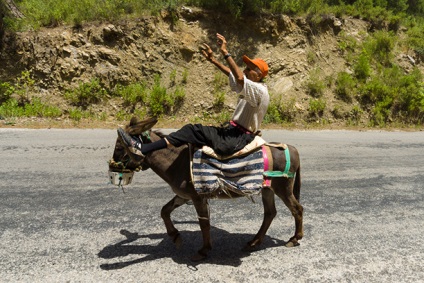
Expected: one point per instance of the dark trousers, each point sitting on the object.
(224, 140)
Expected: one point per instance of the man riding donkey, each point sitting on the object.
(283, 171)
(233, 136)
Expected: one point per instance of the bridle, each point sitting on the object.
(119, 175)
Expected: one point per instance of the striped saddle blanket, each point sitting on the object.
(242, 174)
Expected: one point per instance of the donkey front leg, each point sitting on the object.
(166, 216)
(268, 201)
(202, 209)
(285, 192)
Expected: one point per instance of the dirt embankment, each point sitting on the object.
(134, 50)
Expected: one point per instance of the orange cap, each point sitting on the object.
(261, 64)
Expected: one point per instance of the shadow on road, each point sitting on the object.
(227, 248)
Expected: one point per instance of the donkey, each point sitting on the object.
(173, 166)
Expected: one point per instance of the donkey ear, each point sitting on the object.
(134, 121)
(137, 127)
(149, 123)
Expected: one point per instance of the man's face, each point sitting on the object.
(252, 72)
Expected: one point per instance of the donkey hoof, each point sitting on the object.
(248, 249)
(251, 246)
(198, 257)
(178, 241)
(292, 243)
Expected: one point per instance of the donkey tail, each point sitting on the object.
(297, 184)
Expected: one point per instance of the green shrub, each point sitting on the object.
(123, 115)
(185, 76)
(39, 109)
(362, 67)
(416, 107)
(102, 116)
(279, 111)
(382, 111)
(219, 99)
(140, 112)
(395, 22)
(394, 95)
(338, 112)
(178, 96)
(6, 91)
(398, 5)
(381, 96)
(355, 115)
(288, 110)
(410, 102)
(11, 108)
(173, 77)
(273, 114)
(75, 114)
(223, 116)
(315, 85)
(377, 16)
(24, 85)
(132, 94)
(159, 101)
(52, 13)
(345, 86)
(374, 90)
(311, 57)
(36, 108)
(219, 81)
(40, 13)
(380, 46)
(289, 6)
(415, 39)
(86, 94)
(347, 43)
(384, 44)
(416, 7)
(363, 5)
(235, 8)
(78, 113)
(317, 107)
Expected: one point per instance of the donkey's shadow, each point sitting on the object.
(226, 251)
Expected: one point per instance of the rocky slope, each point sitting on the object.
(134, 50)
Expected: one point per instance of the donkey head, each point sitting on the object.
(121, 166)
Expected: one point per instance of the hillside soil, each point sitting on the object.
(134, 50)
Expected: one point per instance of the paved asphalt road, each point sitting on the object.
(62, 222)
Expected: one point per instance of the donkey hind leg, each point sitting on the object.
(166, 216)
(202, 209)
(268, 201)
(283, 188)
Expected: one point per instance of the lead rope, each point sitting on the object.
(119, 184)
(121, 175)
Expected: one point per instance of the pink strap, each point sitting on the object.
(267, 181)
(240, 127)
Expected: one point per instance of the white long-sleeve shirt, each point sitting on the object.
(252, 103)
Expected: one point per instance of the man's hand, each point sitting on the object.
(222, 43)
(207, 52)
(209, 55)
